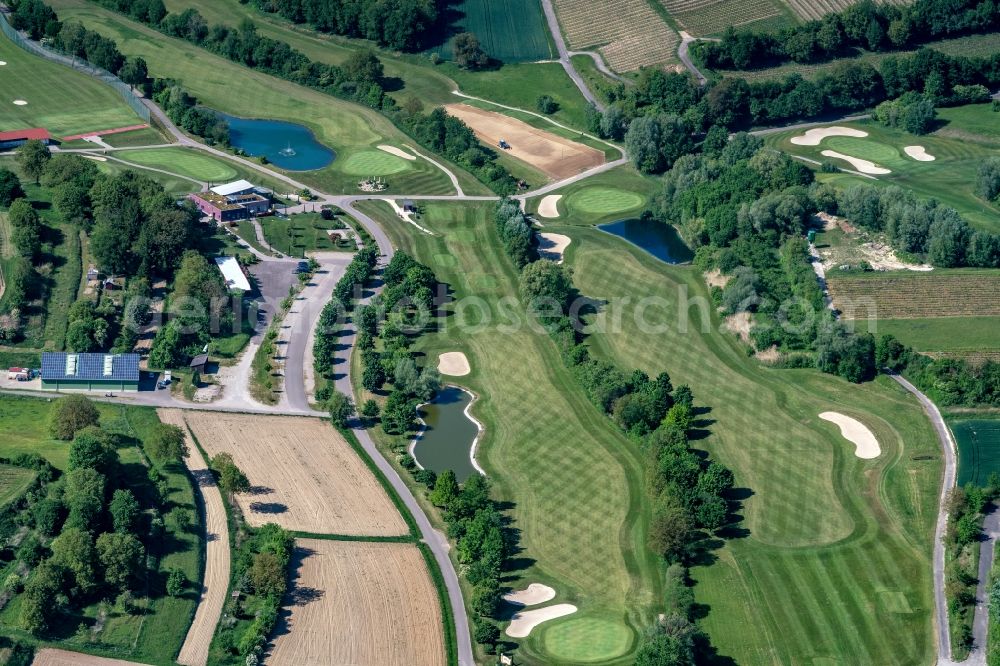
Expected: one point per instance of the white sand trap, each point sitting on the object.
(96, 158)
(20, 102)
(853, 430)
(2, 63)
(523, 622)
(552, 246)
(548, 207)
(398, 152)
(454, 364)
(919, 153)
(536, 593)
(814, 136)
(864, 166)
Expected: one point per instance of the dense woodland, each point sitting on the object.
(865, 25)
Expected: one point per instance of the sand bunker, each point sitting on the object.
(919, 153)
(20, 102)
(864, 166)
(552, 246)
(96, 158)
(454, 364)
(536, 593)
(853, 430)
(393, 150)
(523, 622)
(814, 136)
(2, 63)
(547, 206)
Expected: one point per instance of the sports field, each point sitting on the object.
(958, 148)
(186, 162)
(831, 562)
(508, 30)
(347, 128)
(629, 33)
(59, 98)
(572, 477)
(978, 449)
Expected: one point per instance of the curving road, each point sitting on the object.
(550, 17)
(948, 450)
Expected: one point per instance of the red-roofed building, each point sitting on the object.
(15, 138)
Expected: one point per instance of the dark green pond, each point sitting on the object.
(287, 145)
(448, 435)
(659, 239)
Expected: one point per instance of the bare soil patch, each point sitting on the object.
(355, 602)
(304, 475)
(552, 154)
(54, 657)
(715, 278)
(194, 652)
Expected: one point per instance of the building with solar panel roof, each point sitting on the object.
(64, 371)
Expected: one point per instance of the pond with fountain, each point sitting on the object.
(286, 145)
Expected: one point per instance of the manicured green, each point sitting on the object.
(374, 163)
(59, 98)
(624, 182)
(959, 147)
(587, 640)
(572, 477)
(508, 30)
(978, 449)
(183, 161)
(604, 200)
(13, 482)
(825, 536)
(344, 126)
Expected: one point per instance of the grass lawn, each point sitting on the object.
(184, 161)
(978, 449)
(958, 150)
(59, 98)
(598, 82)
(140, 137)
(13, 482)
(831, 563)
(154, 635)
(953, 336)
(301, 233)
(612, 195)
(508, 30)
(572, 477)
(344, 126)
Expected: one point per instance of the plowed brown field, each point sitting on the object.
(358, 602)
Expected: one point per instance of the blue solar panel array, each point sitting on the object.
(124, 367)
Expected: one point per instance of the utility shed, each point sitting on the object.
(63, 371)
(232, 273)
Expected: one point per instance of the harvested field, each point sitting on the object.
(54, 657)
(304, 476)
(356, 602)
(554, 155)
(629, 33)
(707, 17)
(916, 295)
(194, 651)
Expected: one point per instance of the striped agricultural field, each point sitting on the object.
(816, 9)
(707, 17)
(629, 33)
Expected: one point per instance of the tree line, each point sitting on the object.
(688, 491)
(360, 79)
(864, 25)
(671, 107)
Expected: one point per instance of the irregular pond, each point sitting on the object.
(449, 436)
(287, 145)
(659, 239)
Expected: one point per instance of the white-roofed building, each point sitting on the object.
(235, 187)
(232, 273)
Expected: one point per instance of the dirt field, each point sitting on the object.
(194, 652)
(305, 477)
(555, 156)
(53, 657)
(356, 602)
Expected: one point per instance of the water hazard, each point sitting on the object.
(449, 434)
(287, 145)
(659, 239)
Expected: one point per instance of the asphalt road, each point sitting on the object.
(550, 17)
(948, 450)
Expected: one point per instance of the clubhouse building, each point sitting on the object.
(239, 200)
(63, 371)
